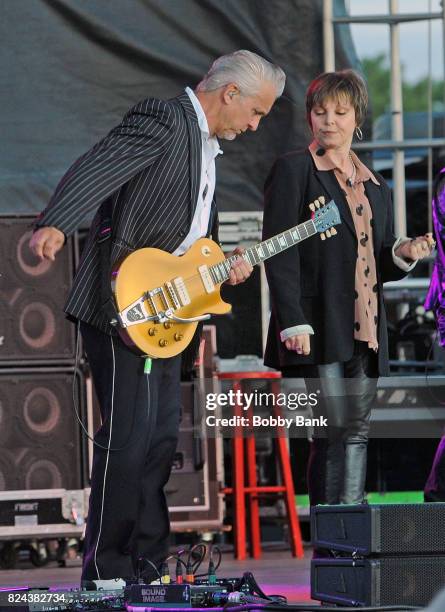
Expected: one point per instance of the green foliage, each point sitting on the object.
(415, 95)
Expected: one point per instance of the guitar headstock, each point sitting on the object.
(325, 216)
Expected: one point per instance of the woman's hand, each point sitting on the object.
(300, 343)
(416, 248)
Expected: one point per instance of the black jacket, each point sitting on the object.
(314, 282)
(150, 167)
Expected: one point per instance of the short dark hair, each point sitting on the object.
(334, 85)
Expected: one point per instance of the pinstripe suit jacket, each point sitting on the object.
(150, 166)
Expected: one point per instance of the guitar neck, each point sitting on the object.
(263, 250)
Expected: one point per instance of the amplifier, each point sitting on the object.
(33, 327)
(383, 529)
(387, 581)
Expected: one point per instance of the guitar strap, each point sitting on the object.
(104, 244)
(213, 223)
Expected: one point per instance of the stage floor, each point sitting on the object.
(277, 573)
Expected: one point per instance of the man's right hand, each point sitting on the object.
(46, 242)
(299, 343)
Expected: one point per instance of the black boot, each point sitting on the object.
(335, 460)
(354, 473)
(316, 471)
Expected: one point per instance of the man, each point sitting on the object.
(153, 176)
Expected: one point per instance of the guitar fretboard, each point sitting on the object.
(263, 250)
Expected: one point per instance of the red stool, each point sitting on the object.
(239, 490)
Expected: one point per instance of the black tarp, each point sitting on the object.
(69, 69)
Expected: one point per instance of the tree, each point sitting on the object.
(415, 95)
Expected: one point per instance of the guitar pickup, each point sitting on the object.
(209, 285)
(181, 291)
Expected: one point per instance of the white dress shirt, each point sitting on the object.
(210, 149)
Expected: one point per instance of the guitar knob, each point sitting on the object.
(152, 331)
(333, 231)
(322, 236)
(168, 324)
(163, 342)
(178, 337)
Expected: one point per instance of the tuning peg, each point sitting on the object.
(312, 206)
(322, 200)
(322, 236)
(333, 231)
(328, 233)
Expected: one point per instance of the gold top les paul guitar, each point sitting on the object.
(162, 297)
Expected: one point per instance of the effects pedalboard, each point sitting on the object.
(133, 597)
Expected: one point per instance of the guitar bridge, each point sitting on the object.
(134, 313)
(137, 313)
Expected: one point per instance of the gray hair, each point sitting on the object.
(248, 70)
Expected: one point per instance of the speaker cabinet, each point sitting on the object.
(377, 529)
(393, 554)
(386, 581)
(40, 445)
(32, 295)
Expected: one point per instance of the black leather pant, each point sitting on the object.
(337, 462)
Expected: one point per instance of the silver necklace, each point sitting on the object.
(351, 180)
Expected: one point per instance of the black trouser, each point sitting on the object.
(128, 514)
(337, 462)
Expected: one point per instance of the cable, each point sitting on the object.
(178, 559)
(197, 563)
(254, 587)
(217, 548)
(76, 408)
(141, 572)
(317, 608)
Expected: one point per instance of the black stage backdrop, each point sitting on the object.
(69, 70)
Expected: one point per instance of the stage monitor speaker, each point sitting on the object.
(40, 446)
(32, 295)
(386, 581)
(378, 529)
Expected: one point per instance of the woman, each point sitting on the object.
(328, 318)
